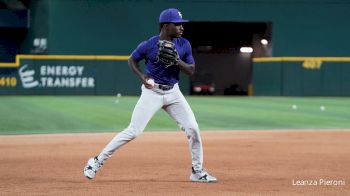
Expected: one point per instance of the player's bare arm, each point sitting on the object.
(135, 67)
(186, 68)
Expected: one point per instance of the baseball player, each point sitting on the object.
(165, 56)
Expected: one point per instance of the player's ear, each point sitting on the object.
(167, 25)
(162, 26)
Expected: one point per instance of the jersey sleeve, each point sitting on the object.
(188, 58)
(140, 52)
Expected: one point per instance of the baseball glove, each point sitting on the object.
(167, 53)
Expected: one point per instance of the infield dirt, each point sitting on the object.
(278, 162)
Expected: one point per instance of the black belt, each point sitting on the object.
(165, 87)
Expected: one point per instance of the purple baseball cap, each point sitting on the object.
(171, 15)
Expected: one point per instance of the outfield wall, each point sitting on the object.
(301, 76)
(71, 75)
(110, 75)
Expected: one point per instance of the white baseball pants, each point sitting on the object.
(175, 104)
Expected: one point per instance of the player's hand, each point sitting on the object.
(167, 53)
(148, 82)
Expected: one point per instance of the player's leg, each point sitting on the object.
(179, 109)
(181, 112)
(148, 104)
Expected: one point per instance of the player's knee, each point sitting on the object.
(132, 132)
(190, 124)
(193, 127)
(192, 131)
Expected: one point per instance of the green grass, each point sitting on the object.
(66, 114)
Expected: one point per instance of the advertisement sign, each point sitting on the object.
(55, 76)
(65, 75)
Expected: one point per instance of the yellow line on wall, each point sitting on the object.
(122, 58)
(63, 57)
(295, 59)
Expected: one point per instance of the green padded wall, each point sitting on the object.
(292, 79)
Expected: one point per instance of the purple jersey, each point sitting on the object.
(148, 50)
